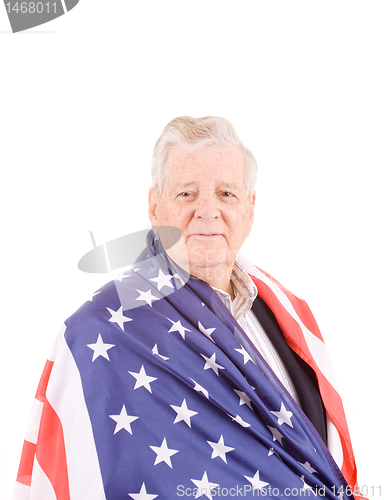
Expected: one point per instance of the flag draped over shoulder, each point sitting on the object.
(148, 394)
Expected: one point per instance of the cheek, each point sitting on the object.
(237, 221)
(175, 215)
(240, 224)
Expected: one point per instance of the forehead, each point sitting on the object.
(220, 164)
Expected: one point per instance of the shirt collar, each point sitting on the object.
(244, 289)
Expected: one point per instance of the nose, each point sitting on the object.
(207, 206)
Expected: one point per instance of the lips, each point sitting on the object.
(205, 235)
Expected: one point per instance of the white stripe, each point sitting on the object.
(21, 492)
(57, 343)
(41, 487)
(315, 345)
(65, 394)
(34, 422)
(334, 443)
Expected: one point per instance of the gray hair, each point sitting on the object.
(196, 134)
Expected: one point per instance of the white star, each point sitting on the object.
(177, 327)
(307, 465)
(183, 413)
(123, 421)
(93, 295)
(272, 452)
(142, 495)
(147, 297)
(283, 416)
(240, 421)
(206, 331)
(142, 379)
(162, 280)
(244, 399)
(123, 276)
(257, 484)
(246, 356)
(211, 363)
(118, 317)
(277, 436)
(219, 449)
(305, 485)
(156, 351)
(163, 453)
(100, 349)
(200, 388)
(177, 276)
(204, 487)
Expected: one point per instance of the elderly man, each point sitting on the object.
(195, 373)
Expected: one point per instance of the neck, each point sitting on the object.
(226, 288)
(223, 283)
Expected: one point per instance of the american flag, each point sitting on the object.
(148, 394)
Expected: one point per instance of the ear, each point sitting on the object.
(252, 210)
(253, 198)
(153, 200)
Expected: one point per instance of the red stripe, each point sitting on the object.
(295, 338)
(300, 306)
(50, 448)
(24, 474)
(290, 327)
(41, 390)
(50, 452)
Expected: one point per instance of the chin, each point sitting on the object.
(214, 252)
(208, 261)
(205, 264)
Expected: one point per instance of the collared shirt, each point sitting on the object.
(245, 293)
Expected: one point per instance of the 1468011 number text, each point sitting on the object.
(31, 8)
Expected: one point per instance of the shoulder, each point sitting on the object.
(103, 308)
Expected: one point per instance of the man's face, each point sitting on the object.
(204, 195)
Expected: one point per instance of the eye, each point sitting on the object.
(185, 196)
(227, 194)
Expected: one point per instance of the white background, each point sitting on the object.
(83, 100)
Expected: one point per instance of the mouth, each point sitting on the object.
(206, 235)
